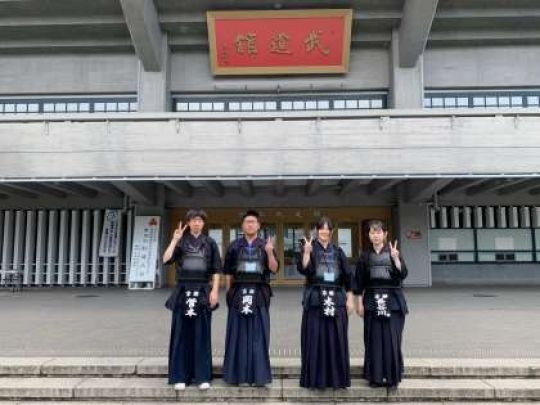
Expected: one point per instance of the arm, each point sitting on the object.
(360, 283)
(272, 262)
(347, 280)
(229, 266)
(171, 249)
(215, 268)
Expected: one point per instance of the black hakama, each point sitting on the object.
(190, 349)
(324, 339)
(383, 335)
(247, 341)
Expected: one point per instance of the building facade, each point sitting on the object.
(433, 128)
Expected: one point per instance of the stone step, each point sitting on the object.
(139, 389)
(282, 367)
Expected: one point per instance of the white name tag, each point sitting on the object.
(331, 277)
(251, 267)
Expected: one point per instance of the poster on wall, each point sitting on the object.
(279, 41)
(108, 245)
(144, 259)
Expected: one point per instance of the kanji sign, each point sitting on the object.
(279, 41)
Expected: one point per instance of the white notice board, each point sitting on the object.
(142, 273)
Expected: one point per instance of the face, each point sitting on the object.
(250, 225)
(324, 233)
(376, 235)
(196, 225)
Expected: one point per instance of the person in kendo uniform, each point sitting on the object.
(380, 272)
(198, 264)
(248, 264)
(327, 302)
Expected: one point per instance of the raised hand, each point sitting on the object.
(394, 252)
(179, 232)
(269, 247)
(308, 245)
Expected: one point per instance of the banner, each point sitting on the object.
(108, 246)
(279, 41)
(145, 249)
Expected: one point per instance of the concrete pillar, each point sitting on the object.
(413, 231)
(407, 83)
(154, 88)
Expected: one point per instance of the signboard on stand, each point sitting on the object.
(144, 259)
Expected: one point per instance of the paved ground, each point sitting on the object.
(444, 322)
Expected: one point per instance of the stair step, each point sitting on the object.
(137, 389)
(281, 367)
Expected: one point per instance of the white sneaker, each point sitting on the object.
(204, 386)
(180, 386)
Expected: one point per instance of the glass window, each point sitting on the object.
(219, 106)
(437, 102)
(491, 101)
(217, 235)
(286, 105)
(292, 235)
(427, 102)
(533, 100)
(377, 103)
(270, 105)
(194, 106)
(298, 105)
(123, 107)
(9, 108)
(479, 101)
(463, 102)
(351, 104)
(48, 107)
(345, 240)
(72, 107)
(450, 102)
(234, 106)
(311, 105)
(33, 107)
(323, 104)
(84, 107)
(338, 104)
(504, 101)
(206, 106)
(133, 106)
(111, 107)
(247, 106)
(60, 107)
(363, 103)
(258, 105)
(1, 108)
(99, 107)
(517, 101)
(22, 108)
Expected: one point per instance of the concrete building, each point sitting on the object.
(434, 128)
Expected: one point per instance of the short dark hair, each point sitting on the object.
(194, 213)
(251, 213)
(377, 224)
(324, 220)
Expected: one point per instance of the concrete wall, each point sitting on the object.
(486, 274)
(477, 67)
(369, 69)
(150, 145)
(68, 74)
(414, 218)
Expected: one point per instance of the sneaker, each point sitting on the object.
(180, 386)
(204, 386)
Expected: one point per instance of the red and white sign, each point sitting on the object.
(279, 42)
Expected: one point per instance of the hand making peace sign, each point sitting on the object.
(394, 252)
(179, 232)
(308, 245)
